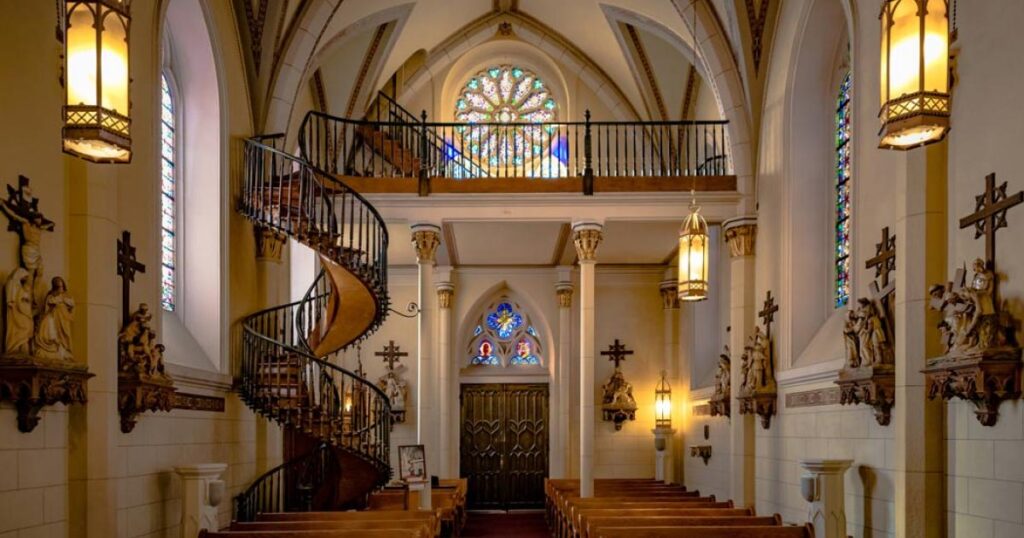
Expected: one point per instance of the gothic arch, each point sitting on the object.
(544, 335)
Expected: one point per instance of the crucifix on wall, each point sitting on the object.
(617, 402)
(127, 266)
(767, 313)
(990, 215)
(396, 389)
(391, 354)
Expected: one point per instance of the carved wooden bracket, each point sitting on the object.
(984, 379)
(761, 403)
(701, 451)
(720, 405)
(871, 385)
(618, 416)
(32, 383)
(140, 393)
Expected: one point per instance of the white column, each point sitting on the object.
(822, 486)
(201, 493)
(560, 455)
(273, 277)
(445, 295)
(587, 236)
(740, 234)
(669, 290)
(663, 454)
(426, 238)
(918, 422)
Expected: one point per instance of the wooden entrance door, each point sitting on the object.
(504, 448)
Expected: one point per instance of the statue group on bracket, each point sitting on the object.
(970, 322)
(867, 340)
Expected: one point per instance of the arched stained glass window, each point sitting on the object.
(168, 195)
(508, 94)
(504, 336)
(842, 221)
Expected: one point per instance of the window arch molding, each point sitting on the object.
(467, 338)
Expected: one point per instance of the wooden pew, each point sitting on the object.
(423, 528)
(592, 526)
(448, 503)
(337, 533)
(706, 532)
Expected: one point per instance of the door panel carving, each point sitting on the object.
(504, 449)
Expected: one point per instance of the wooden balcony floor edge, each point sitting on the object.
(514, 185)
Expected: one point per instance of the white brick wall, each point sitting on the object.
(33, 475)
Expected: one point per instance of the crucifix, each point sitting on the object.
(990, 215)
(767, 314)
(884, 261)
(617, 352)
(127, 266)
(391, 354)
(22, 210)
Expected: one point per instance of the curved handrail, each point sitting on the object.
(305, 473)
(281, 376)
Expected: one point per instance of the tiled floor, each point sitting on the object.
(512, 525)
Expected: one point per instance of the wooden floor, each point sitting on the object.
(515, 524)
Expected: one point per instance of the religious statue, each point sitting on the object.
(853, 359)
(745, 385)
(22, 210)
(875, 348)
(18, 298)
(394, 387)
(617, 402)
(719, 402)
(53, 335)
(760, 361)
(970, 322)
(139, 352)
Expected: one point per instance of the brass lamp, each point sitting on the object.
(663, 403)
(96, 80)
(914, 73)
(693, 256)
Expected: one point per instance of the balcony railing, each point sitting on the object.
(394, 144)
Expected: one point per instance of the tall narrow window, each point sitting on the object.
(843, 147)
(168, 188)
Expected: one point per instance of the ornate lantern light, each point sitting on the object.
(96, 80)
(693, 256)
(663, 403)
(914, 73)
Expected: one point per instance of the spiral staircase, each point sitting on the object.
(286, 369)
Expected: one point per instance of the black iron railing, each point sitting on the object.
(281, 375)
(393, 143)
(293, 486)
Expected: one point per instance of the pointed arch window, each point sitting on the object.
(843, 192)
(505, 336)
(168, 194)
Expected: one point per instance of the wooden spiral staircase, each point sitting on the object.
(286, 368)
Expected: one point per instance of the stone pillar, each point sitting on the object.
(426, 238)
(273, 283)
(918, 422)
(587, 236)
(740, 233)
(445, 295)
(822, 486)
(669, 290)
(560, 455)
(201, 493)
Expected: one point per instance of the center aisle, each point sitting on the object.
(518, 525)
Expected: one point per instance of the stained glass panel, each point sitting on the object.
(485, 355)
(524, 354)
(504, 320)
(505, 336)
(515, 96)
(842, 212)
(168, 192)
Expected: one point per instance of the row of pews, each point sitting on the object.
(643, 508)
(392, 513)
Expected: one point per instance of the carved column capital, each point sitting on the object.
(564, 291)
(669, 294)
(269, 244)
(587, 236)
(445, 294)
(741, 234)
(426, 238)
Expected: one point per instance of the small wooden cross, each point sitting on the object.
(127, 266)
(990, 215)
(391, 354)
(884, 261)
(23, 209)
(617, 352)
(767, 314)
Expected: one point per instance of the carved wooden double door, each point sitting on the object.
(504, 448)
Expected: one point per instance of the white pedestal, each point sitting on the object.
(663, 454)
(822, 486)
(425, 494)
(201, 491)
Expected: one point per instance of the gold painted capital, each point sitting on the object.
(669, 294)
(445, 294)
(741, 240)
(587, 237)
(564, 296)
(269, 244)
(426, 239)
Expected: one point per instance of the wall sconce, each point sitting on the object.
(663, 403)
(914, 73)
(96, 80)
